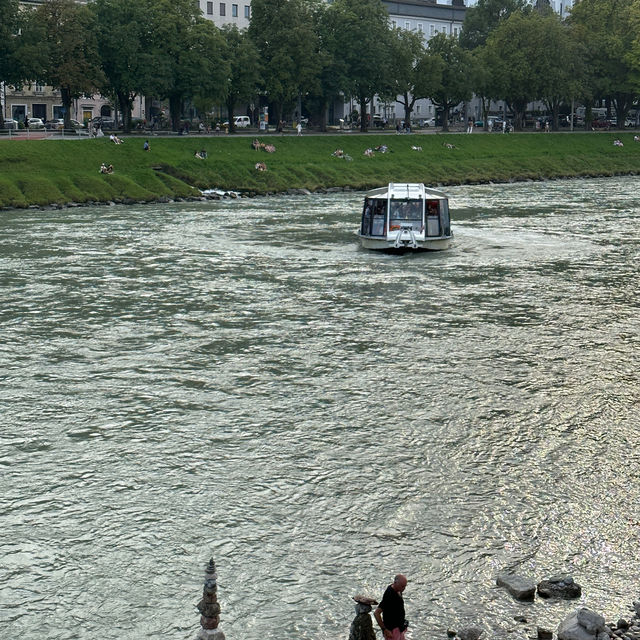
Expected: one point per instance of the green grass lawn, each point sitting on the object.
(41, 172)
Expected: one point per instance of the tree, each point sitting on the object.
(560, 82)
(11, 69)
(415, 72)
(455, 86)
(282, 31)
(68, 42)
(481, 19)
(512, 52)
(189, 53)
(244, 68)
(605, 27)
(124, 47)
(362, 37)
(332, 71)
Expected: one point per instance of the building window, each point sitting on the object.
(455, 31)
(234, 10)
(247, 11)
(432, 29)
(209, 8)
(223, 9)
(394, 24)
(39, 88)
(420, 27)
(407, 25)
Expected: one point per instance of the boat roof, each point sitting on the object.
(405, 191)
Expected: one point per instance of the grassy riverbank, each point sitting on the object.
(42, 172)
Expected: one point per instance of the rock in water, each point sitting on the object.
(520, 588)
(559, 587)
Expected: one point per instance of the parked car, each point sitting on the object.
(601, 123)
(35, 123)
(10, 123)
(105, 123)
(239, 122)
(57, 124)
(428, 122)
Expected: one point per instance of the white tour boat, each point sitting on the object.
(405, 216)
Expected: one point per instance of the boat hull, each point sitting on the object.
(384, 244)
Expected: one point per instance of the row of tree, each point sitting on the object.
(313, 52)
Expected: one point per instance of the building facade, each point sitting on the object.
(222, 12)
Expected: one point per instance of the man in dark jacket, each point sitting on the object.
(390, 612)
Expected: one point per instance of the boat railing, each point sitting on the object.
(413, 243)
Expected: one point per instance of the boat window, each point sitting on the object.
(433, 218)
(367, 215)
(378, 217)
(405, 214)
(444, 217)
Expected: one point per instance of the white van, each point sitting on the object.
(242, 121)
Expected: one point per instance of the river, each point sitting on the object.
(239, 380)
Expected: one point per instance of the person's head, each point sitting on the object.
(399, 583)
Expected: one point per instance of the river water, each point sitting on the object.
(238, 379)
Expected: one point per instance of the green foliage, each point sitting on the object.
(605, 27)
(282, 31)
(481, 19)
(70, 57)
(124, 48)
(244, 68)
(189, 52)
(414, 72)
(456, 84)
(361, 36)
(517, 54)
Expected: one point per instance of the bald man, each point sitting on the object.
(390, 612)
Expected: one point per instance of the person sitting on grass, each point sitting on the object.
(618, 143)
(146, 146)
(103, 168)
(369, 153)
(414, 148)
(201, 155)
(261, 166)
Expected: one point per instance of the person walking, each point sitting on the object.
(390, 612)
(470, 126)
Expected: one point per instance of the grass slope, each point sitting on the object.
(41, 172)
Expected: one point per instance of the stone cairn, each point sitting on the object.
(362, 627)
(208, 606)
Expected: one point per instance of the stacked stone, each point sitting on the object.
(208, 606)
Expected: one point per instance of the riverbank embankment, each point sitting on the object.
(61, 172)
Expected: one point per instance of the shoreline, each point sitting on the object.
(60, 173)
(239, 194)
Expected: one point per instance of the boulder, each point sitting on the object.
(520, 588)
(559, 587)
(592, 622)
(470, 633)
(582, 624)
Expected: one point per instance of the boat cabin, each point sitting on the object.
(405, 216)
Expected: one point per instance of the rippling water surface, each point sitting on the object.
(239, 380)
